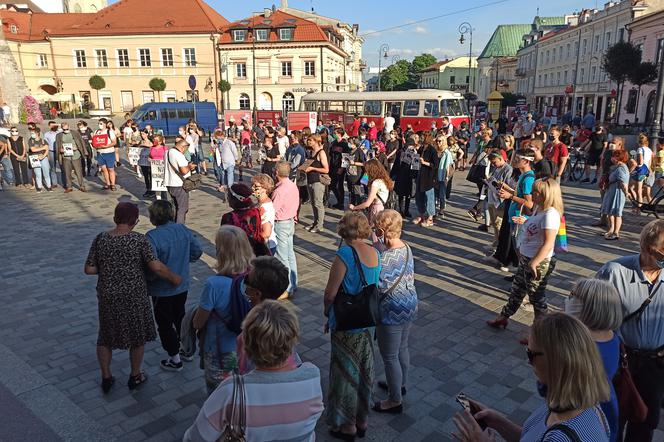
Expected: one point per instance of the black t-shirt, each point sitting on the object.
(542, 169)
(427, 174)
(566, 138)
(597, 141)
(502, 125)
(336, 149)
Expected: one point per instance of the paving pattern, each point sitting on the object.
(49, 376)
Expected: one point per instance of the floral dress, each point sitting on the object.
(125, 312)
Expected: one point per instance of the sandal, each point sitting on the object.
(105, 188)
(113, 188)
(136, 381)
(106, 384)
(417, 220)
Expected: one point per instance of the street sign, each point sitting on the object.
(192, 82)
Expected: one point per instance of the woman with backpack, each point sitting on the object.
(217, 313)
(246, 215)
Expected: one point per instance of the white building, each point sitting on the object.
(569, 75)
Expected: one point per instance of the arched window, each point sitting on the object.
(265, 101)
(245, 103)
(288, 102)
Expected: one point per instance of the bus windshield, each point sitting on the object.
(453, 107)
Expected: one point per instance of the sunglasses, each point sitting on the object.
(532, 355)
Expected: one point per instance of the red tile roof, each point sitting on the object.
(305, 30)
(126, 17)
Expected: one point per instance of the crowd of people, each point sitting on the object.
(244, 326)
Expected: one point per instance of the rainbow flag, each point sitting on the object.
(560, 245)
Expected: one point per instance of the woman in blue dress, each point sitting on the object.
(613, 202)
(352, 353)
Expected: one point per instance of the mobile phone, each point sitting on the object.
(463, 400)
(497, 184)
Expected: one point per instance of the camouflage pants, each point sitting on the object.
(526, 284)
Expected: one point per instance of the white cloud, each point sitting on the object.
(420, 30)
(440, 53)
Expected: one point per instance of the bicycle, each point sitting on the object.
(656, 204)
(576, 165)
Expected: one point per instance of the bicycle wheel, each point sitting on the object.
(658, 206)
(579, 168)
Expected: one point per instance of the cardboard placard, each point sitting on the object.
(157, 170)
(68, 150)
(133, 155)
(100, 141)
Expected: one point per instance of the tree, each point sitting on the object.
(395, 77)
(96, 82)
(157, 84)
(620, 61)
(645, 73)
(419, 63)
(224, 86)
(510, 99)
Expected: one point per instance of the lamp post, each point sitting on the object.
(223, 66)
(659, 104)
(382, 53)
(467, 28)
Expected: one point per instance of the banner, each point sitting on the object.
(157, 170)
(133, 155)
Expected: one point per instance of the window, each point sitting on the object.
(585, 47)
(431, 108)
(539, 80)
(310, 68)
(660, 50)
(190, 57)
(411, 108)
(241, 70)
(167, 57)
(185, 114)
(144, 58)
(244, 102)
(557, 78)
(565, 77)
(596, 43)
(631, 101)
(81, 61)
(288, 102)
(467, 79)
(262, 34)
(569, 50)
(576, 48)
(593, 73)
(239, 35)
(546, 79)
(607, 40)
(286, 68)
(583, 76)
(42, 61)
(452, 79)
(548, 57)
(372, 107)
(13, 29)
(453, 108)
(123, 58)
(102, 59)
(286, 34)
(354, 107)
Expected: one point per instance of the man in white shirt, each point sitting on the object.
(176, 170)
(6, 113)
(282, 142)
(388, 123)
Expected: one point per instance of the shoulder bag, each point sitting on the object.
(236, 428)
(192, 182)
(631, 407)
(567, 431)
(361, 310)
(324, 178)
(477, 172)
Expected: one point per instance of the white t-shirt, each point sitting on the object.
(268, 215)
(127, 133)
(382, 192)
(111, 137)
(283, 144)
(192, 139)
(176, 160)
(531, 237)
(647, 155)
(389, 124)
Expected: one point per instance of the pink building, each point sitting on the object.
(648, 33)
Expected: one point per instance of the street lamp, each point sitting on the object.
(382, 53)
(223, 65)
(466, 28)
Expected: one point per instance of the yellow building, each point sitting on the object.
(133, 41)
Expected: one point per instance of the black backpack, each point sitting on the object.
(392, 201)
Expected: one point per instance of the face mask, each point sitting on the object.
(573, 306)
(102, 127)
(363, 137)
(181, 132)
(33, 136)
(65, 131)
(81, 129)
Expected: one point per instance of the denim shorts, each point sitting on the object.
(106, 160)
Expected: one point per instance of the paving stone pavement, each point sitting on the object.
(49, 324)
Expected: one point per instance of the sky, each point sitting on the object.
(412, 27)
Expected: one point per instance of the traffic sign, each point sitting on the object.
(192, 82)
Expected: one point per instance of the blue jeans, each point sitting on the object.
(7, 171)
(43, 172)
(284, 231)
(426, 202)
(442, 194)
(225, 175)
(53, 162)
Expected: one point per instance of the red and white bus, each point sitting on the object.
(417, 107)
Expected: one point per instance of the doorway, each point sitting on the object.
(393, 108)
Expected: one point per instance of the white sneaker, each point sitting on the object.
(504, 269)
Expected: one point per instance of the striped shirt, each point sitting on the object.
(590, 426)
(280, 406)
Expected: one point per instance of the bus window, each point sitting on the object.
(372, 107)
(310, 106)
(431, 108)
(167, 113)
(411, 108)
(453, 107)
(354, 107)
(336, 106)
